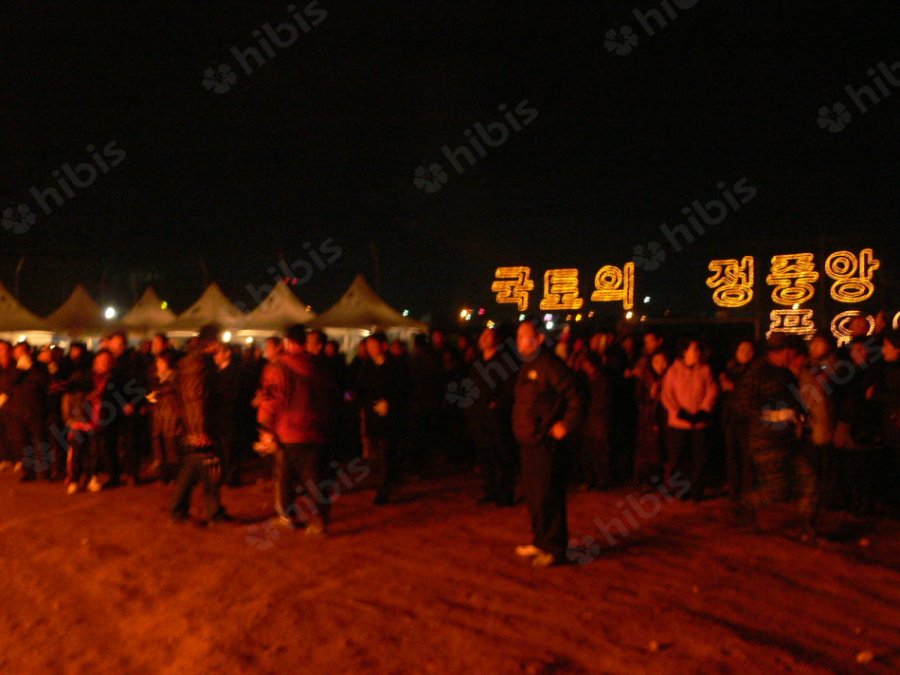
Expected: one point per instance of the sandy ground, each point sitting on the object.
(105, 583)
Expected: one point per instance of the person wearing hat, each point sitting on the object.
(769, 402)
(202, 463)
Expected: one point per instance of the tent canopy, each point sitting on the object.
(147, 315)
(361, 308)
(279, 311)
(211, 308)
(79, 315)
(15, 318)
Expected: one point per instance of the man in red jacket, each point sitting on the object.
(293, 414)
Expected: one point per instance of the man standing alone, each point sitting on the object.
(546, 410)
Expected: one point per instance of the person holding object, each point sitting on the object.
(293, 415)
(546, 411)
(689, 393)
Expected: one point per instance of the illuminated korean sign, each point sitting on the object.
(561, 290)
(792, 277)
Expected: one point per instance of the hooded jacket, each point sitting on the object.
(295, 400)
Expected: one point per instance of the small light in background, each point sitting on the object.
(405, 312)
(796, 306)
(226, 336)
(548, 317)
(590, 315)
(629, 315)
(521, 317)
(646, 299)
(482, 311)
(21, 338)
(248, 341)
(164, 305)
(110, 313)
(490, 324)
(549, 325)
(577, 318)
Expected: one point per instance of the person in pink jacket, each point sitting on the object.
(689, 394)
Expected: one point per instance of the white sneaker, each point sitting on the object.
(528, 551)
(95, 485)
(72, 489)
(544, 559)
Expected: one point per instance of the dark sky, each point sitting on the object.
(322, 140)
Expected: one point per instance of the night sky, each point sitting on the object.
(322, 140)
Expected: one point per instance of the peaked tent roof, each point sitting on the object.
(147, 313)
(279, 311)
(14, 317)
(78, 315)
(360, 307)
(211, 307)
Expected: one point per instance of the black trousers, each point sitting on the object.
(300, 491)
(738, 465)
(386, 452)
(496, 452)
(27, 438)
(544, 468)
(200, 466)
(688, 449)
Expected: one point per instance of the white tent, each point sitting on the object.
(211, 308)
(17, 323)
(280, 310)
(79, 316)
(147, 316)
(359, 312)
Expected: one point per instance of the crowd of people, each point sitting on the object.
(537, 414)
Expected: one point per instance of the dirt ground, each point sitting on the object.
(95, 583)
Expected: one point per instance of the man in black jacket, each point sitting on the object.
(202, 462)
(382, 383)
(488, 414)
(27, 410)
(547, 409)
